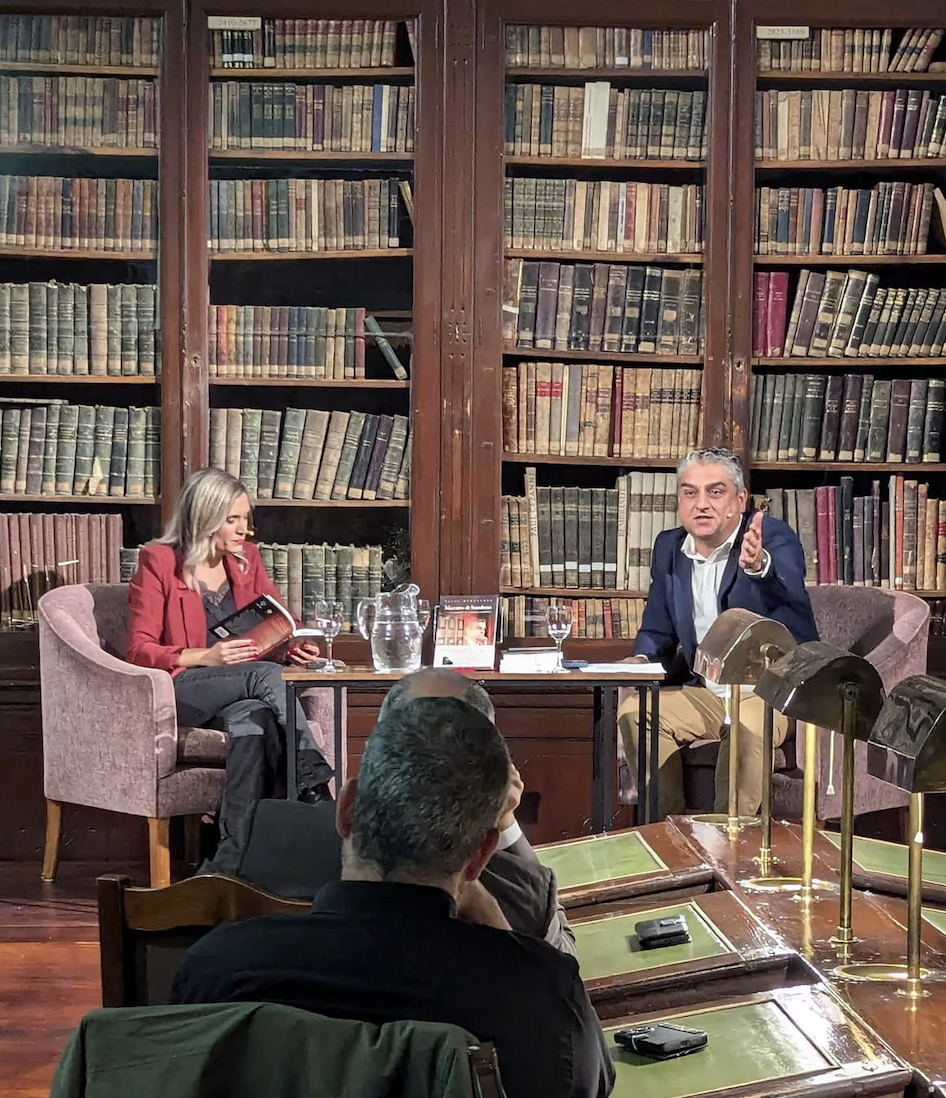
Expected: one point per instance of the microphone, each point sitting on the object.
(250, 533)
(729, 514)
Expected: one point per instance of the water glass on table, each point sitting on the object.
(558, 620)
(329, 617)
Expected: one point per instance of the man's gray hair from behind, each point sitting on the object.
(715, 455)
(438, 682)
(432, 782)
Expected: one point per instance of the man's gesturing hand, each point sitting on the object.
(750, 555)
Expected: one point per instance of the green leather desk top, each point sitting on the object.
(936, 917)
(609, 947)
(769, 1045)
(599, 858)
(876, 856)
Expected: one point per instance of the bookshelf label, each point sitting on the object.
(234, 22)
(782, 33)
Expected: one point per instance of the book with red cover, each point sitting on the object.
(760, 312)
(265, 621)
(776, 314)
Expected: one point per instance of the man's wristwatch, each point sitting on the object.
(761, 571)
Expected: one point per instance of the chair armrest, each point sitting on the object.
(109, 727)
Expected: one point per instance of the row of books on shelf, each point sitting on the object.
(41, 551)
(311, 454)
(850, 417)
(68, 328)
(596, 121)
(852, 49)
(92, 112)
(582, 538)
(849, 124)
(57, 448)
(304, 215)
(602, 307)
(311, 117)
(603, 215)
(600, 410)
(540, 47)
(80, 39)
(303, 574)
(893, 537)
(308, 44)
(109, 215)
(890, 218)
(837, 314)
(295, 341)
(592, 619)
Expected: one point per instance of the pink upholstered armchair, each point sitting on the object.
(110, 733)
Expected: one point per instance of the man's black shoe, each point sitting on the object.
(315, 794)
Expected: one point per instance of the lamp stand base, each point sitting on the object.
(732, 825)
(871, 972)
(789, 884)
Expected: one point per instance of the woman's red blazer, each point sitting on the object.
(166, 616)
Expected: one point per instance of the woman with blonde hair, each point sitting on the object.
(200, 571)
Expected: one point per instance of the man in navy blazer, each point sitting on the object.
(720, 557)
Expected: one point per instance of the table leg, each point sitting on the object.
(654, 762)
(598, 811)
(642, 805)
(608, 758)
(292, 743)
(339, 768)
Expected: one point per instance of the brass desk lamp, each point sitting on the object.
(820, 684)
(907, 747)
(737, 648)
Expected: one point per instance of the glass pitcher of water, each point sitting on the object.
(390, 622)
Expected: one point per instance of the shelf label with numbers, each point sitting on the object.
(234, 22)
(783, 33)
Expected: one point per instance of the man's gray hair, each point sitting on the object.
(431, 784)
(716, 455)
(438, 682)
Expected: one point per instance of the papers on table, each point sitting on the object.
(637, 668)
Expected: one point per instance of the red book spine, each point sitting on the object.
(617, 411)
(825, 547)
(776, 311)
(760, 313)
(832, 561)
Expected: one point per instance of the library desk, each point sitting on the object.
(797, 1041)
(730, 952)
(882, 867)
(604, 687)
(654, 861)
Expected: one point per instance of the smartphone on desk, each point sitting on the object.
(661, 1040)
(668, 931)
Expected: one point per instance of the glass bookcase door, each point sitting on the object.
(604, 181)
(81, 351)
(311, 286)
(849, 295)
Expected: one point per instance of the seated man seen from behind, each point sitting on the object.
(721, 556)
(407, 933)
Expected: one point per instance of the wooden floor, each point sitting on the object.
(49, 969)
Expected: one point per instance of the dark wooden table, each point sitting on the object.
(730, 952)
(604, 686)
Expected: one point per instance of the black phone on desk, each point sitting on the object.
(667, 931)
(661, 1040)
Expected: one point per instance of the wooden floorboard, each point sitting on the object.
(49, 968)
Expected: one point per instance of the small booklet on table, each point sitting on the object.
(265, 621)
(465, 632)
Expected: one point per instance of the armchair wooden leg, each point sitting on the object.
(160, 851)
(192, 839)
(53, 835)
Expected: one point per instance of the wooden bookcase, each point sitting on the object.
(892, 525)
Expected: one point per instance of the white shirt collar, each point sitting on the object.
(719, 553)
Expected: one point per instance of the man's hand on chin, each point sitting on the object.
(476, 905)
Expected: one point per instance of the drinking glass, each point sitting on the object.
(329, 616)
(558, 620)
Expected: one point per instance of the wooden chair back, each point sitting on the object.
(145, 932)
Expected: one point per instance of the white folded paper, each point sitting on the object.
(637, 668)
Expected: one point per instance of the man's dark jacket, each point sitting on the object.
(668, 616)
(380, 952)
